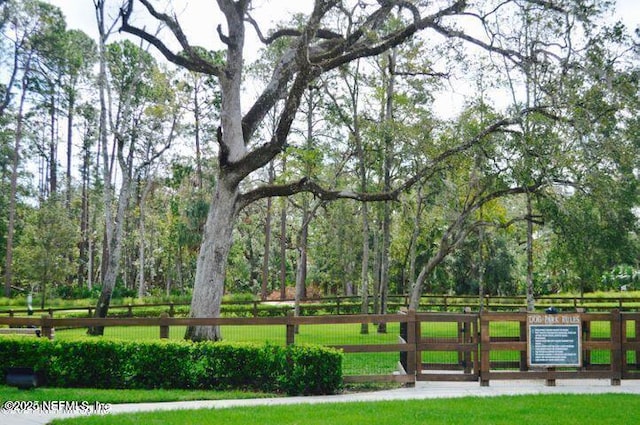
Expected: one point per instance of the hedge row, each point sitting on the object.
(295, 369)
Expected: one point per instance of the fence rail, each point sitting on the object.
(431, 346)
(343, 305)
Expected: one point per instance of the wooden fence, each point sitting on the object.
(432, 346)
(352, 304)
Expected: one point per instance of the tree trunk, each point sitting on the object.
(531, 302)
(70, 113)
(264, 289)
(413, 247)
(53, 149)
(301, 265)
(212, 260)
(197, 118)
(142, 236)
(480, 268)
(426, 271)
(90, 265)
(83, 259)
(113, 263)
(179, 271)
(377, 261)
(283, 243)
(15, 162)
(384, 264)
(386, 219)
(110, 261)
(102, 141)
(364, 267)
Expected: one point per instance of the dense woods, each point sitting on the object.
(366, 148)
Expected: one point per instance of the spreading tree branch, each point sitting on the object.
(429, 169)
(189, 58)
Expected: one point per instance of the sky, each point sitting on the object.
(196, 15)
(200, 17)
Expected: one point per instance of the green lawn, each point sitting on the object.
(521, 410)
(93, 395)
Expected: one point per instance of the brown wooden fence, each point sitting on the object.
(340, 305)
(432, 346)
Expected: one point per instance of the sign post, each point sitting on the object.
(554, 340)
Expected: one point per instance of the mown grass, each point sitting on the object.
(92, 395)
(521, 410)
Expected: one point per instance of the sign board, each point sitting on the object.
(554, 340)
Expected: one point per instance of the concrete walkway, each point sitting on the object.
(422, 390)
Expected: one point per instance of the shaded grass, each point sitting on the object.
(93, 395)
(522, 410)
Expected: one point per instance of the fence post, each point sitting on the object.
(291, 329)
(523, 337)
(164, 325)
(467, 338)
(413, 363)
(171, 310)
(404, 329)
(485, 350)
(586, 332)
(637, 338)
(47, 330)
(616, 347)
(461, 340)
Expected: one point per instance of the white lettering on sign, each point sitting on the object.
(554, 340)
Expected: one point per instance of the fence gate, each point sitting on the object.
(447, 347)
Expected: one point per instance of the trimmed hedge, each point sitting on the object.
(294, 370)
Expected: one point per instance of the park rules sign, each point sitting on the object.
(554, 340)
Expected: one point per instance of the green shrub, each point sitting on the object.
(86, 363)
(25, 352)
(312, 370)
(160, 364)
(231, 365)
(98, 363)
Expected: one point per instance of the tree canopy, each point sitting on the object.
(364, 148)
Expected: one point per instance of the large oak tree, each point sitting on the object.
(333, 34)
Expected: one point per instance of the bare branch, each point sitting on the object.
(507, 53)
(422, 74)
(307, 185)
(288, 32)
(189, 59)
(334, 52)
